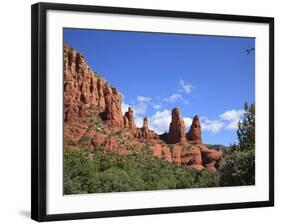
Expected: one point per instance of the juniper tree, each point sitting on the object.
(246, 129)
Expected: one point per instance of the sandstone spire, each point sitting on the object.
(177, 128)
(145, 123)
(129, 119)
(194, 133)
(145, 132)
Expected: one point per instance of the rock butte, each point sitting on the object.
(88, 98)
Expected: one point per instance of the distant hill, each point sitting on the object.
(219, 147)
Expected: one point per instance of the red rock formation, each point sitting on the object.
(129, 119)
(87, 95)
(176, 155)
(210, 158)
(83, 88)
(157, 151)
(111, 144)
(194, 134)
(112, 113)
(73, 133)
(145, 123)
(187, 156)
(162, 152)
(145, 132)
(191, 157)
(196, 156)
(167, 154)
(177, 128)
(98, 139)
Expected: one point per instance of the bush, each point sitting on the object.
(238, 169)
(115, 173)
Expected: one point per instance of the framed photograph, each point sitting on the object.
(140, 111)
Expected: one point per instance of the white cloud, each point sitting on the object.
(138, 112)
(157, 106)
(144, 99)
(173, 98)
(139, 121)
(227, 120)
(139, 108)
(186, 102)
(185, 87)
(188, 122)
(232, 125)
(213, 126)
(232, 117)
(160, 121)
(124, 107)
(122, 94)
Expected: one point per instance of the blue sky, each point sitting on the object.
(209, 76)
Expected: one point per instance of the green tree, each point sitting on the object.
(134, 172)
(246, 129)
(238, 169)
(238, 166)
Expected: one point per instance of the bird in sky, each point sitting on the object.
(249, 50)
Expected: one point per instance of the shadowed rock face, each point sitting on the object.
(84, 88)
(129, 119)
(177, 128)
(194, 134)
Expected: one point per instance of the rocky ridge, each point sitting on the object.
(93, 119)
(83, 87)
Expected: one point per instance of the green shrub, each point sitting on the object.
(238, 169)
(171, 146)
(135, 172)
(85, 139)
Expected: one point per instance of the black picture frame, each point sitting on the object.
(38, 110)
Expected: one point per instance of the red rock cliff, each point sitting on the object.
(83, 88)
